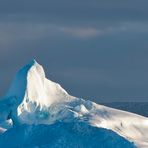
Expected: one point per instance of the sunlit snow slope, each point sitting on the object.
(39, 103)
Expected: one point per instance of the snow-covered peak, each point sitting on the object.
(31, 85)
(32, 92)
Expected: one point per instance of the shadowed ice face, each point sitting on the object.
(4, 111)
(6, 108)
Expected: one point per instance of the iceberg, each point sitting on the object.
(40, 113)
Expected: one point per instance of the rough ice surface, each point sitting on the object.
(61, 135)
(37, 112)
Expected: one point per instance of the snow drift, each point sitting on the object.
(35, 104)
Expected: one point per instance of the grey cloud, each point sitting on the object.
(12, 33)
(81, 10)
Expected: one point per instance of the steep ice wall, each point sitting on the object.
(31, 93)
(30, 84)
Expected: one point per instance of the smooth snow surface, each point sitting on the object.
(38, 108)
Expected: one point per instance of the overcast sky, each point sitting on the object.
(96, 49)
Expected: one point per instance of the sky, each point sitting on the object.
(96, 49)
